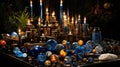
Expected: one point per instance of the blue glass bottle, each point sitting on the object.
(96, 35)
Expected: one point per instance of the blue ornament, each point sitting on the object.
(24, 55)
(16, 49)
(67, 60)
(59, 47)
(90, 59)
(37, 49)
(80, 51)
(51, 44)
(74, 45)
(41, 58)
(14, 34)
(19, 54)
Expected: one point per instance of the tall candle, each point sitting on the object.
(84, 24)
(39, 20)
(79, 22)
(40, 8)
(31, 8)
(61, 10)
(65, 22)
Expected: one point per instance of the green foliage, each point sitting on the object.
(20, 18)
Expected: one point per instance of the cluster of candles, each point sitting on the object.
(64, 22)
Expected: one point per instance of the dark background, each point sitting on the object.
(107, 18)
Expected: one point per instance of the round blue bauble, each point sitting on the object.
(16, 49)
(19, 54)
(80, 52)
(51, 44)
(74, 45)
(59, 47)
(90, 59)
(37, 49)
(14, 34)
(41, 57)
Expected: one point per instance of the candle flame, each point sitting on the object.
(46, 9)
(79, 17)
(84, 18)
(38, 21)
(40, 1)
(53, 13)
(61, 1)
(30, 2)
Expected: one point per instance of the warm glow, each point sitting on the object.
(84, 19)
(81, 42)
(78, 17)
(30, 2)
(63, 53)
(46, 10)
(38, 21)
(61, 2)
(53, 58)
(40, 2)
(53, 14)
(72, 20)
(19, 31)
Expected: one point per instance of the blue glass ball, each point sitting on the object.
(59, 47)
(51, 44)
(80, 52)
(41, 58)
(19, 54)
(16, 49)
(67, 60)
(74, 45)
(88, 48)
(14, 34)
(90, 59)
(37, 49)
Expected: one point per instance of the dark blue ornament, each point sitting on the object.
(51, 44)
(41, 58)
(90, 59)
(74, 45)
(19, 54)
(80, 52)
(37, 49)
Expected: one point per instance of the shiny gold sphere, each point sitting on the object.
(81, 42)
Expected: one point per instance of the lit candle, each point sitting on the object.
(19, 31)
(31, 7)
(84, 24)
(79, 22)
(65, 22)
(47, 17)
(61, 9)
(40, 8)
(39, 26)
